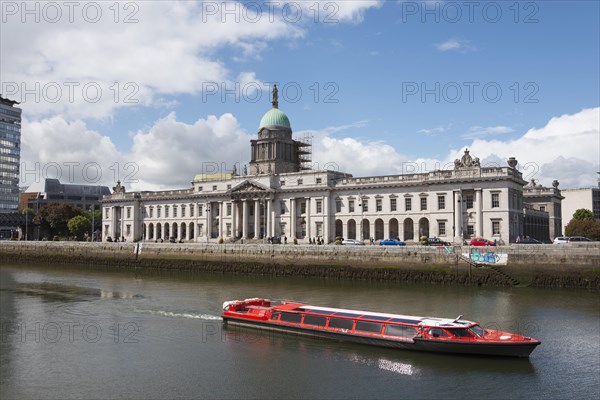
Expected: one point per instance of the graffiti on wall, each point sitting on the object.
(484, 256)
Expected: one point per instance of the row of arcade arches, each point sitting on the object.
(166, 231)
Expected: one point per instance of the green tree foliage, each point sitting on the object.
(53, 218)
(79, 226)
(583, 214)
(587, 228)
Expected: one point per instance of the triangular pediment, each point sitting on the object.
(248, 187)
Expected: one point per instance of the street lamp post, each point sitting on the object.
(207, 222)
(360, 204)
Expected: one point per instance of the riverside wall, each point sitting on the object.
(574, 266)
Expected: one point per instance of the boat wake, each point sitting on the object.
(171, 314)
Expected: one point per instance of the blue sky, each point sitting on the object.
(370, 66)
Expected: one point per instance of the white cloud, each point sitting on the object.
(460, 45)
(478, 131)
(432, 131)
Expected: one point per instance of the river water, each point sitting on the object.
(71, 332)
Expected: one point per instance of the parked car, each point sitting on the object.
(481, 242)
(391, 242)
(529, 240)
(561, 240)
(353, 242)
(434, 241)
(579, 239)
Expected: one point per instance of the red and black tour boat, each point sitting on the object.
(381, 329)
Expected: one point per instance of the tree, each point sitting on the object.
(54, 217)
(79, 225)
(583, 214)
(587, 228)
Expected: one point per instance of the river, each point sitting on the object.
(77, 332)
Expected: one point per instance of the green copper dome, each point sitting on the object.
(274, 117)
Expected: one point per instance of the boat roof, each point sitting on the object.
(376, 316)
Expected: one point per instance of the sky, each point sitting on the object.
(153, 93)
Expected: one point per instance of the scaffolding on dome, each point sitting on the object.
(304, 144)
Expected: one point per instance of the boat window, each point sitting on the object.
(290, 317)
(375, 317)
(399, 330)
(405, 321)
(460, 332)
(477, 330)
(351, 315)
(437, 332)
(374, 327)
(275, 315)
(315, 320)
(341, 323)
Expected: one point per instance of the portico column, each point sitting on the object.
(308, 220)
(208, 221)
(245, 219)
(478, 214)
(457, 216)
(234, 219)
(326, 220)
(221, 219)
(269, 218)
(256, 219)
(292, 218)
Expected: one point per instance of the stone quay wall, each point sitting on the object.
(576, 266)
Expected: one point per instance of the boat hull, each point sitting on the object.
(506, 349)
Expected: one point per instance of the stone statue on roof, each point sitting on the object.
(119, 189)
(275, 101)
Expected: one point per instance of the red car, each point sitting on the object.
(481, 242)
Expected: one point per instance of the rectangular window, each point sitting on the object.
(129, 212)
(364, 326)
(106, 229)
(303, 207)
(128, 229)
(378, 205)
(199, 210)
(495, 227)
(423, 203)
(392, 204)
(228, 209)
(282, 207)
(158, 212)
(319, 226)
(469, 201)
(228, 229)
(229, 187)
(174, 211)
(441, 202)
(106, 213)
(495, 200)
(365, 205)
(351, 206)
(166, 211)
(338, 206)
(315, 320)
(542, 208)
(182, 211)
(151, 212)
(191, 210)
(441, 229)
(341, 323)
(299, 181)
(408, 204)
(200, 230)
(282, 182)
(214, 187)
(319, 204)
(319, 180)
(291, 317)
(470, 230)
(398, 330)
(282, 228)
(199, 188)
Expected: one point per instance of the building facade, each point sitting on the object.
(542, 214)
(49, 190)
(574, 199)
(10, 153)
(278, 197)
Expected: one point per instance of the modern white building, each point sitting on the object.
(277, 196)
(574, 199)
